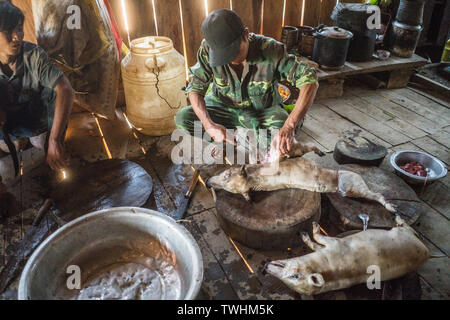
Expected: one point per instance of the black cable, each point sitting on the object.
(157, 91)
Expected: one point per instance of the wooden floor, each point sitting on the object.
(398, 119)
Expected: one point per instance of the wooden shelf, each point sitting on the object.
(375, 65)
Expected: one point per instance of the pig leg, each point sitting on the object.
(352, 185)
(321, 239)
(307, 240)
(299, 150)
(401, 223)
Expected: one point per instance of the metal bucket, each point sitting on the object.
(94, 241)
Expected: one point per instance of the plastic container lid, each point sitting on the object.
(151, 45)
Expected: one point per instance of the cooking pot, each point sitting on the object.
(331, 47)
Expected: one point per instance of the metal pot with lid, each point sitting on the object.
(331, 46)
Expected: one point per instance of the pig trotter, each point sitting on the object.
(307, 240)
(318, 152)
(353, 185)
(321, 239)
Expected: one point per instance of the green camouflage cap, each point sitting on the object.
(222, 30)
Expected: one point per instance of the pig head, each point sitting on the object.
(341, 263)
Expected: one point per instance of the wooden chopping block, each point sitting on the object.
(344, 211)
(271, 221)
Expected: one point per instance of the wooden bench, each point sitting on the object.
(400, 70)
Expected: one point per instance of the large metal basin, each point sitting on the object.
(95, 240)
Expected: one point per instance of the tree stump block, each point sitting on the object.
(102, 185)
(344, 211)
(271, 221)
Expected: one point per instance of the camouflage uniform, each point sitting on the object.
(253, 103)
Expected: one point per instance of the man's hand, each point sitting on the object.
(55, 155)
(2, 118)
(284, 140)
(219, 133)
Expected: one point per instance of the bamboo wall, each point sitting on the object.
(260, 16)
(175, 18)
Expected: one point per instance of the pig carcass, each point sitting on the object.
(341, 263)
(297, 173)
(78, 36)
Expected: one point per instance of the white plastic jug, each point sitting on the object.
(153, 75)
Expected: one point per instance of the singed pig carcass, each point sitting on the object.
(341, 263)
(297, 173)
(78, 36)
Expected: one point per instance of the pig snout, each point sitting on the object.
(274, 265)
(274, 268)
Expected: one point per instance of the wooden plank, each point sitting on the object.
(118, 15)
(435, 96)
(321, 133)
(246, 285)
(293, 13)
(28, 27)
(388, 119)
(312, 13)
(434, 148)
(83, 138)
(215, 284)
(325, 11)
(395, 109)
(341, 126)
(193, 16)
(440, 116)
(399, 78)
(218, 4)
(139, 27)
(425, 99)
(435, 272)
(303, 137)
(250, 13)
(375, 65)
(366, 122)
(435, 228)
(169, 22)
(443, 137)
(437, 196)
(429, 293)
(273, 16)
(431, 84)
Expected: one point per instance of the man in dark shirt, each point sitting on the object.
(35, 96)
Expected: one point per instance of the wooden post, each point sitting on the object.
(399, 78)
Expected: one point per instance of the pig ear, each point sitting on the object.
(316, 280)
(243, 172)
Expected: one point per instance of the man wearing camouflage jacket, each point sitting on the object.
(234, 83)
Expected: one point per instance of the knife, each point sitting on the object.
(187, 197)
